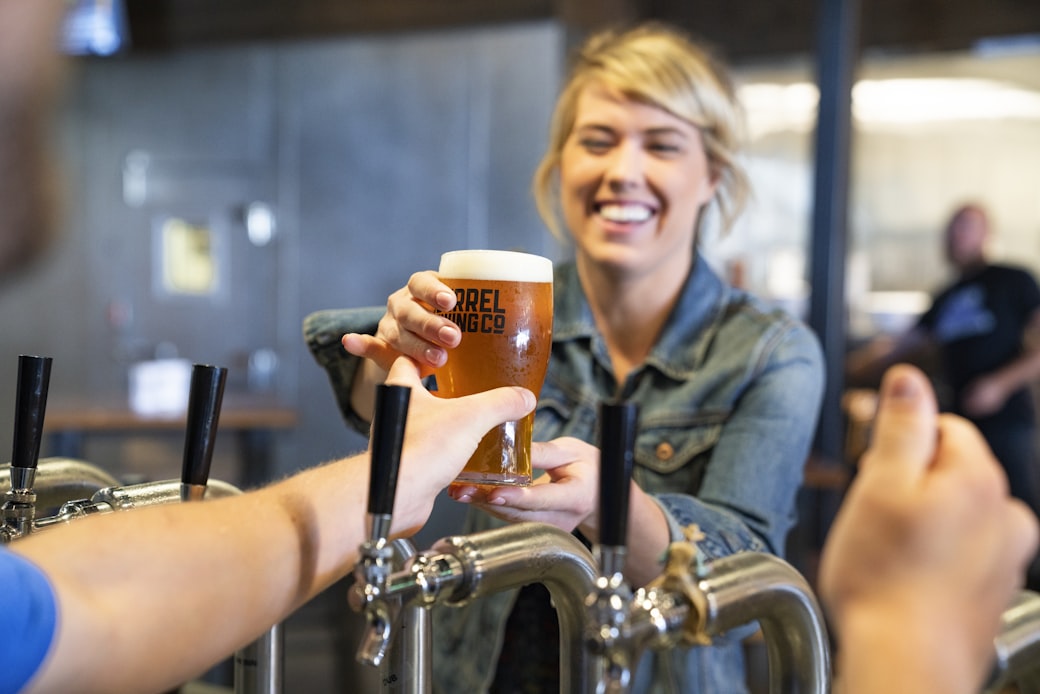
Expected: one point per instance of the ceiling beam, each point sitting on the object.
(739, 29)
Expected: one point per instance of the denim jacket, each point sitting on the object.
(729, 397)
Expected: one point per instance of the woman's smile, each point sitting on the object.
(620, 212)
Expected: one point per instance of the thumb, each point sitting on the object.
(905, 425)
(549, 455)
(404, 371)
(369, 347)
(488, 409)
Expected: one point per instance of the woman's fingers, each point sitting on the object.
(549, 455)
(426, 286)
(411, 326)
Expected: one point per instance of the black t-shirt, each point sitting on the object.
(979, 323)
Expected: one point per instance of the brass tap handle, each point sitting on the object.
(204, 401)
(617, 437)
(34, 375)
(391, 411)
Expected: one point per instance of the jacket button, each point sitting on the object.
(664, 451)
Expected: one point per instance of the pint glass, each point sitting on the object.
(504, 309)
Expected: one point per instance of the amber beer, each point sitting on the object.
(504, 308)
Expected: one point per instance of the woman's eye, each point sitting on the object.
(595, 145)
(664, 148)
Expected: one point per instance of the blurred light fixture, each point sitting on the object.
(779, 107)
(932, 100)
(876, 103)
(95, 27)
(260, 223)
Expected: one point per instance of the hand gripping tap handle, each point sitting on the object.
(391, 412)
(34, 376)
(204, 400)
(617, 438)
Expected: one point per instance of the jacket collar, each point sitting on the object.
(687, 332)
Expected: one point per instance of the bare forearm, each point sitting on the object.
(168, 562)
(1019, 372)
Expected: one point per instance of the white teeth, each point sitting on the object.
(625, 213)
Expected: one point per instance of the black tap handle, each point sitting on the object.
(34, 377)
(204, 400)
(617, 437)
(387, 439)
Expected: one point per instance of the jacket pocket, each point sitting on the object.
(556, 416)
(667, 449)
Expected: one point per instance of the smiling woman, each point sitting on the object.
(643, 140)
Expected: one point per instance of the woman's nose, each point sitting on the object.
(625, 167)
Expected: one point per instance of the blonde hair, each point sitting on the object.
(657, 65)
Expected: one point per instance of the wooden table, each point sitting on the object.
(253, 420)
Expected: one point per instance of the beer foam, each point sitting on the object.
(510, 266)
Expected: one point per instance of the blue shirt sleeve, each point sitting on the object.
(28, 615)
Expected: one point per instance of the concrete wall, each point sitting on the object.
(375, 153)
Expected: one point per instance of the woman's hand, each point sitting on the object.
(410, 327)
(564, 497)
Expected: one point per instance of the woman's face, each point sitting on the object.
(633, 178)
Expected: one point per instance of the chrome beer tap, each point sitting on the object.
(1017, 644)
(48, 482)
(369, 593)
(19, 507)
(394, 586)
(459, 569)
(608, 605)
(59, 479)
(695, 600)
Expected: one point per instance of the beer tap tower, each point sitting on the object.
(694, 600)
(258, 666)
(19, 508)
(394, 585)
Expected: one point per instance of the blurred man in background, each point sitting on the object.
(985, 327)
